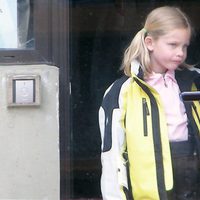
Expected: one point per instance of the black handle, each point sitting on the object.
(190, 96)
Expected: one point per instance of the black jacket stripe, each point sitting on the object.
(110, 102)
(157, 142)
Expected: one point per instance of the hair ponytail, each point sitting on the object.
(136, 50)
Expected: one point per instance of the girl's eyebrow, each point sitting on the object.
(172, 40)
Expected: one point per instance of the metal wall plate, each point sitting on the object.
(23, 90)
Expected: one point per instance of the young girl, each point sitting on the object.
(150, 137)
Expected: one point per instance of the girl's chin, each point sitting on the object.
(174, 66)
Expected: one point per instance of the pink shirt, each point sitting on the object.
(167, 87)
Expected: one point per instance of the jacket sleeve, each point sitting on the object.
(114, 176)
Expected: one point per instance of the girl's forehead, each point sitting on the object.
(179, 33)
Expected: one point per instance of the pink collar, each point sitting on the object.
(154, 78)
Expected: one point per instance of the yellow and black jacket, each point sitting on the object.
(136, 157)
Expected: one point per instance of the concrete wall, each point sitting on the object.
(29, 139)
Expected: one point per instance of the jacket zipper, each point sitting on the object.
(145, 114)
(195, 110)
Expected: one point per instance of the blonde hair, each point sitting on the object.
(158, 23)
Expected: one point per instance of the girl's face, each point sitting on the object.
(168, 51)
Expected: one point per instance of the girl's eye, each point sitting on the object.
(172, 44)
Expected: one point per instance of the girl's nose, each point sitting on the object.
(181, 52)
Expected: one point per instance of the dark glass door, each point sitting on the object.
(100, 30)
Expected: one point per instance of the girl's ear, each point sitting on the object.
(149, 43)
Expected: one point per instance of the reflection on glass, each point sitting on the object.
(16, 24)
(25, 23)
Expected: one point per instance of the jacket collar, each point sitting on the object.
(185, 77)
(136, 69)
